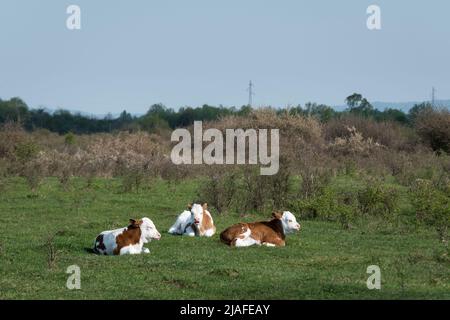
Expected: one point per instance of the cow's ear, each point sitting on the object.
(132, 221)
(277, 214)
(205, 206)
(189, 206)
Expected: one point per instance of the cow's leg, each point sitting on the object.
(125, 250)
(245, 239)
(132, 249)
(245, 242)
(267, 244)
(189, 232)
(175, 229)
(209, 232)
(275, 243)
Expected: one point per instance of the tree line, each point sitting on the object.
(160, 117)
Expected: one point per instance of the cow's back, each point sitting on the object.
(231, 233)
(105, 243)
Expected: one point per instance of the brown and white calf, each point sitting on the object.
(127, 240)
(269, 233)
(196, 221)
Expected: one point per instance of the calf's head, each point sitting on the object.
(288, 221)
(197, 213)
(148, 229)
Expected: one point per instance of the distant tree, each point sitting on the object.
(393, 115)
(245, 110)
(14, 109)
(359, 105)
(418, 109)
(125, 116)
(354, 100)
(153, 123)
(323, 112)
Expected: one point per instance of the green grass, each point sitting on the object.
(323, 261)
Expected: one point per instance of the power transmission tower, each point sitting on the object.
(250, 93)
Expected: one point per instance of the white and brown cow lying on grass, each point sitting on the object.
(197, 221)
(127, 240)
(269, 233)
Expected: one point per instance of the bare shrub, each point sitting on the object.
(11, 135)
(253, 193)
(52, 252)
(219, 189)
(386, 133)
(34, 173)
(242, 188)
(408, 167)
(171, 173)
(280, 184)
(354, 144)
(3, 173)
(104, 155)
(433, 126)
(133, 177)
(261, 193)
(64, 177)
(296, 132)
(313, 180)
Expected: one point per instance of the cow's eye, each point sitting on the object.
(290, 220)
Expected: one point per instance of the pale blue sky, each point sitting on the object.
(131, 54)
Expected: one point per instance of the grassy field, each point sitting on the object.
(323, 261)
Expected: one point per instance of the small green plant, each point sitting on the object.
(33, 174)
(69, 139)
(133, 178)
(219, 190)
(26, 151)
(52, 253)
(432, 206)
(3, 173)
(64, 178)
(313, 181)
(330, 205)
(378, 199)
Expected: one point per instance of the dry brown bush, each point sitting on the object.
(300, 137)
(354, 144)
(433, 126)
(106, 155)
(11, 135)
(295, 128)
(386, 133)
